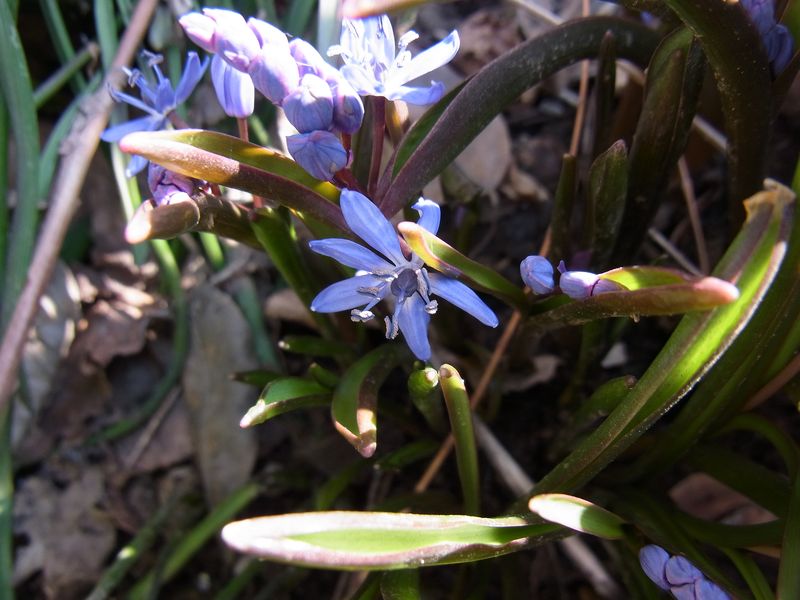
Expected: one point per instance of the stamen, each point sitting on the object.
(361, 316)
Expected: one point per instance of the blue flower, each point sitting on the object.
(158, 100)
(234, 89)
(391, 275)
(678, 576)
(776, 38)
(169, 187)
(537, 273)
(373, 69)
(319, 152)
(579, 285)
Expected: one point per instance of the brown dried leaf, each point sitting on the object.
(68, 536)
(220, 345)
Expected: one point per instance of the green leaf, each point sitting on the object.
(382, 541)
(402, 584)
(441, 256)
(608, 188)
(736, 54)
(642, 301)
(283, 395)
(229, 161)
(578, 514)
(672, 89)
(696, 344)
(751, 361)
(499, 84)
(460, 413)
(355, 398)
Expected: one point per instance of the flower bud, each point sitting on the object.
(537, 273)
(200, 29)
(348, 110)
(167, 186)
(309, 60)
(582, 284)
(319, 152)
(267, 34)
(234, 89)
(274, 73)
(310, 106)
(234, 40)
(654, 562)
(780, 47)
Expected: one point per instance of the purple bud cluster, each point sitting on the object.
(678, 575)
(169, 187)
(538, 274)
(254, 55)
(776, 38)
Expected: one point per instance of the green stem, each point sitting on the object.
(194, 541)
(782, 442)
(131, 553)
(4, 144)
(213, 250)
(64, 74)
(57, 29)
(18, 94)
(6, 506)
(50, 152)
(106, 27)
(789, 574)
(460, 412)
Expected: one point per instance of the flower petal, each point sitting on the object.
(136, 165)
(350, 254)
(193, 72)
(234, 89)
(460, 295)
(419, 96)
(537, 273)
(368, 223)
(428, 60)
(360, 79)
(429, 215)
(319, 152)
(413, 322)
(654, 560)
(679, 571)
(344, 295)
(117, 132)
(135, 102)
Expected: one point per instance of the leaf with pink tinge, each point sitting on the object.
(229, 161)
(378, 541)
(355, 398)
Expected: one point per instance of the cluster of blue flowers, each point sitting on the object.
(322, 103)
(538, 274)
(158, 100)
(678, 576)
(317, 100)
(373, 68)
(391, 275)
(776, 38)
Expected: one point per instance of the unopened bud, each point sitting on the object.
(310, 106)
(319, 152)
(537, 273)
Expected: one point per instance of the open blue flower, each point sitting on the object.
(374, 69)
(158, 99)
(391, 275)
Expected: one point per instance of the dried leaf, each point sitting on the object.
(220, 346)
